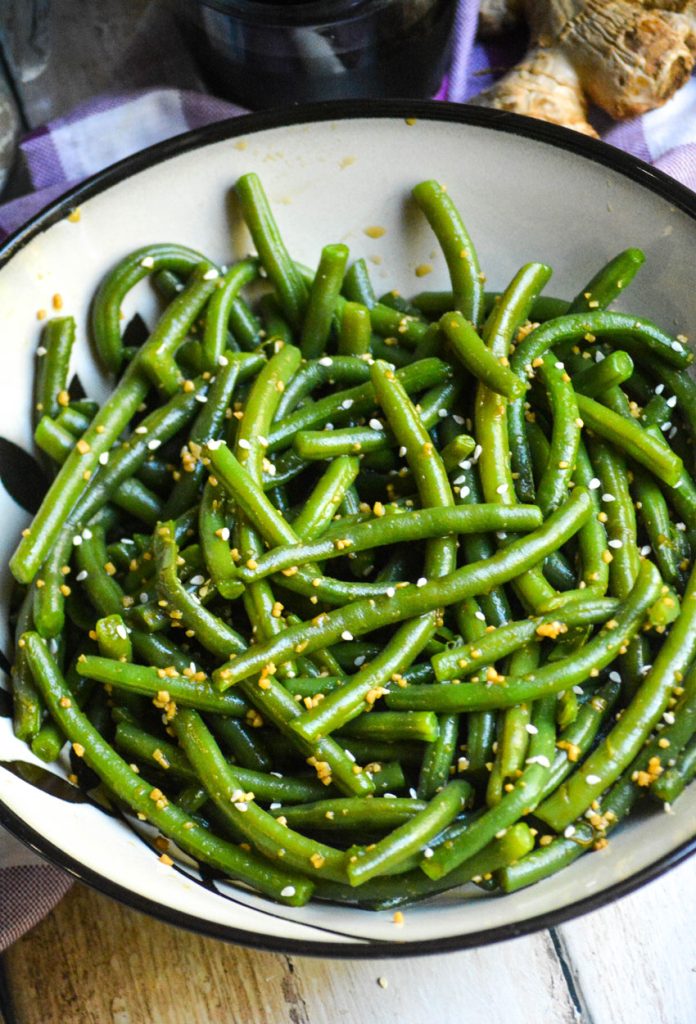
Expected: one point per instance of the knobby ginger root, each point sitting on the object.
(627, 56)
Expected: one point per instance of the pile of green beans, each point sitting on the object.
(363, 599)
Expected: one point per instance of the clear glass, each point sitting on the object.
(263, 54)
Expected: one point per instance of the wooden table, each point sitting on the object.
(93, 961)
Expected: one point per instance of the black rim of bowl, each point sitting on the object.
(598, 152)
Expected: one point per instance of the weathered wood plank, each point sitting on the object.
(636, 960)
(117, 966)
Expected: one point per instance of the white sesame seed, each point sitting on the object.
(531, 729)
(103, 458)
(421, 581)
(153, 445)
(122, 631)
(144, 598)
(464, 492)
(244, 444)
(375, 425)
(672, 433)
(459, 420)
(196, 581)
(559, 365)
(326, 361)
(501, 488)
(346, 635)
(223, 361)
(224, 533)
(578, 690)
(382, 982)
(41, 351)
(390, 591)
(412, 793)
(288, 890)
(669, 717)
(659, 389)
(477, 453)
(465, 464)
(615, 543)
(569, 831)
(645, 550)
(77, 540)
(615, 677)
(147, 262)
(360, 660)
(213, 445)
(346, 403)
(201, 398)
(140, 430)
(677, 346)
(592, 780)
(594, 483)
(82, 575)
(608, 497)
(539, 759)
(671, 402)
(480, 616)
(681, 527)
(442, 413)
(428, 853)
(459, 480)
(211, 274)
(274, 806)
(667, 426)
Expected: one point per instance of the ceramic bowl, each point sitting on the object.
(528, 191)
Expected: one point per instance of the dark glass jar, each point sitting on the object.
(263, 54)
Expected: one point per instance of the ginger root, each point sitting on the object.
(626, 56)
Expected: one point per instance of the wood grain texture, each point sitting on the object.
(115, 966)
(636, 960)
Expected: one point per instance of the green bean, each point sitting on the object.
(597, 378)
(395, 528)
(514, 726)
(357, 286)
(437, 758)
(641, 716)
(53, 355)
(160, 684)
(565, 437)
(356, 401)
(366, 615)
(276, 326)
(458, 249)
(631, 439)
(210, 630)
(113, 639)
(355, 330)
(481, 361)
(326, 498)
(271, 838)
(219, 308)
(138, 794)
(410, 837)
(323, 296)
(522, 799)
(391, 726)
(673, 782)
(282, 273)
(551, 678)
(609, 282)
(241, 742)
(381, 814)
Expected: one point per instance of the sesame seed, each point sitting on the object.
(375, 425)
(82, 575)
(531, 729)
(326, 361)
(421, 582)
(608, 497)
(244, 444)
(501, 489)
(147, 262)
(594, 484)
(346, 635)
(592, 780)
(153, 445)
(288, 890)
(615, 543)
(569, 831)
(211, 274)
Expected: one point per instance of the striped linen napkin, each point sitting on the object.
(64, 152)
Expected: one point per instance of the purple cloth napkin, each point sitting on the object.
(109, 128)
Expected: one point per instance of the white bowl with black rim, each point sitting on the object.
(527, 191)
